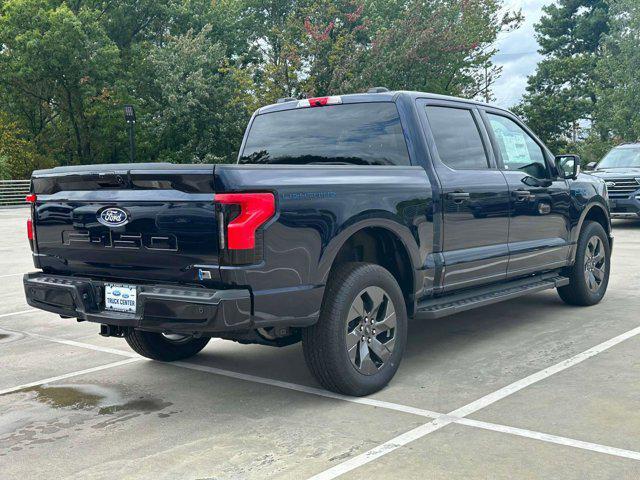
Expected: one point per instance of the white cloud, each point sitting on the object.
(517, 53)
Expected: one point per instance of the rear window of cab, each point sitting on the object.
(345, 134)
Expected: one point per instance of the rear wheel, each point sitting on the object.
(358, 342)
(165, 347)
(589, 275)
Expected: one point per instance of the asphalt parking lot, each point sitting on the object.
(530, 388)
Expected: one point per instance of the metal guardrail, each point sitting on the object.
(13, 192)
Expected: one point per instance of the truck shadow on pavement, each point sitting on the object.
(459, 341)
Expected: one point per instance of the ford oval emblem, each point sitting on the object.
(113, 217)
(610, 184)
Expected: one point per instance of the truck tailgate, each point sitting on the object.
(146, 222)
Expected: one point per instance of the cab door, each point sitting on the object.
(539, 225)
(474, 196)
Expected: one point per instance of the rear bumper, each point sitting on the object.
(160, 307)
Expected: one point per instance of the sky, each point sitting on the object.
(517, 53)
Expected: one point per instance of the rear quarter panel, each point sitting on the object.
(318, 209)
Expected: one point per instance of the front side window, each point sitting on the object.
(457, 138)
(356, 133)
(519, 151)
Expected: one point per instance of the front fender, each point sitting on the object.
(596, 209)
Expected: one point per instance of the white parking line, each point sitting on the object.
(12, 314)
(311, 390)
(440, 420)
(383, 449)
(241, 376)
(545, 437)
(69, 375)
(470, 408)
(542, 374)
(443, 421)
(73, 343)
(11, 275)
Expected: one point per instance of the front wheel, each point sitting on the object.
(589, 275)
(358, 342)
(165, 347)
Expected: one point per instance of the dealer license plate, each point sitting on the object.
(120, 298)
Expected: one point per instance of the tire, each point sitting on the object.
(352, 292)
(157, 346)
(588, 277)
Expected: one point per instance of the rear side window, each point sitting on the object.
(457, 138)
(357, 133)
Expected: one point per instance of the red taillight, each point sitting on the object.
(31, 198)
(255, 210)
(320, 101)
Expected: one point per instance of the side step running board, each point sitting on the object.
(459, 302)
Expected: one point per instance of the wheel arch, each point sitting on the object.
(594, 212)
(383, 242)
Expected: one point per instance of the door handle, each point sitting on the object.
(459, 197)
(522, 195)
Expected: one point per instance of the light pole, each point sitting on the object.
(130, 118)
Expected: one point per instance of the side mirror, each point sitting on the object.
(591, 165)
(568, 166)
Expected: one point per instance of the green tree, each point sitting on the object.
(336, 33)
(18, 156)
(619, 92)
(196, 69)
(320, 47)
(56, 67)
(193, 107)
(440, 46)
(562, 94)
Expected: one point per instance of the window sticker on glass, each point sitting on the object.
(518, 150)
(514, 143)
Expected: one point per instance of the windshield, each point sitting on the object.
(621, 158)
(357, 133)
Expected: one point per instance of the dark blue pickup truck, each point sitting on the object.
(344, 217)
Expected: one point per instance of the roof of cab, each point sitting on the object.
(390, 96)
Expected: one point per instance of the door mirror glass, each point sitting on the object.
(568, 166)
(591, 165)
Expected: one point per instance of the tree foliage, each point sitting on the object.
(194, 109)
(18, 156)
(561, 95)
(195, 70)
(619, 90)
(585, 93)
(441, 47)
(55, 69)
